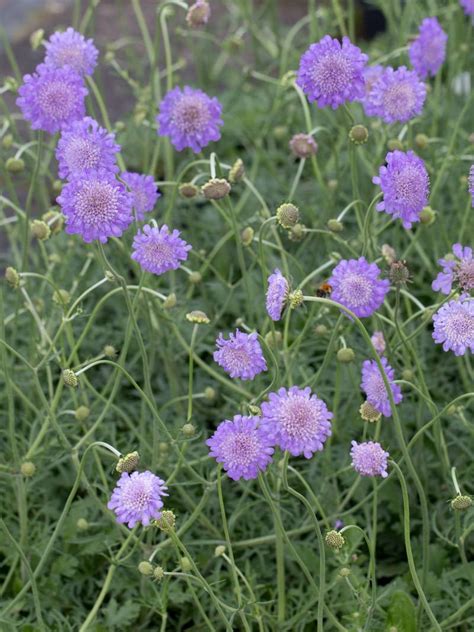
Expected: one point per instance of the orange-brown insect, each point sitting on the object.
(324, 290)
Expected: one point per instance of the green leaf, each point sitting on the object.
(401, 613)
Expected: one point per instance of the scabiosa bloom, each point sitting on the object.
(296, 420)
(190, 118)
(85, 145)
(369, 459)
(242, 447)
(277, 293)
(405, 185)
(137, 498)
(454, 326)
(157, 250)
(427, 53)
(143, 190)
(331, 73)
(398, 95)
(378, 341)
(241, 355)
(96, 206)
(71, 49)
(468, 6)
(456, 270)
(373, 386)
(371, 75)
(356, 285)
(52, 98)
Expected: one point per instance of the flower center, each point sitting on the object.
(71, 56)
(460, 327)
(56, 101)
(96, 202)
(190, 115)
(158, 252)
(82, 154)
(299, 418)
(399, 99)
(332, 73)
(137, 497)
(356, 290)
(407, 186)
(465, 274)
(240, 449)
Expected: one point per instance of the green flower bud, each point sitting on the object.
(359, 135)
(128, 463)
(195, 278)
(82, 524)
(12, 277)
(210, 393)
(247, 235)
(167, 521)
(345, 355)
(321, 330)
(15, 165)
(219, 550)
(7, 141)
(296, 233)
(237, 171)
(185, 564)
(70, 378)
(198, 317)
(189, 430)
(427, 216)
(334, 540)
(273, 339)
(82, 413)
(461, 503)
(344, 571)
(40, 230)
(295, 299)
(54, 219)
(287, 215)
(335, 226)
(422, 141)
(36, 38)
(28, 469)
(170, 301)
(394, 144)
(158, 573)
(145, 568)
(110, 351)
(61, 297)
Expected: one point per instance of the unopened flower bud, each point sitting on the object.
(128, 463)
(145, 568)
(461, 503)
(210, 393)
(189, 430)
(119, 126)
(335, 226)
(216, 189)
(185, 564)
(280, 131)
(303, 146)
(36, 38)
(427, 216)
(369, 413)
(82, 413)
(255, 411)
(296, 233)
(188, 190)
(12, 277)
(345, 355)
(287, 215)
(321, 330)
(359, 134)
(15, 165)
(170, 301)
(158, 573)
(166, 522)
(109, 56)
(11, 84)
(198, 317)
(394, 144)
(110, 351)
(7, 141)
(57, 186)
(54, 219)
(28, 469)
(273, 339)
(70, 378)
(345, 571)
(219, 550)
(408, 375)
(334, 540)
(40, 230)
(247, 235)
(237, 171)
(82, 524)
(198, 14)
(295, 299)
(388, 253)
(422, 141)
(61, 297)
(332, 184)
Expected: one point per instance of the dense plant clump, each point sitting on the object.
(237, 320)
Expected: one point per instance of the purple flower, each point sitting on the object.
(277, 294)
(471, 184)
(378, 341)
(427, 53)
(137, 498)
(241, 355)
(405, 185)
(468, 6)
(242, 447)
(96, 206)
(190, 118)
(85, 145)
(454, 326)
(369, 459)
(296, 420)
(373, 386)
(143, 190)
(371, 75)
(157, 250)
(71, 49)
(458, 270)
(331, 73)
(52, 98)
(357, 286)
(398, 95)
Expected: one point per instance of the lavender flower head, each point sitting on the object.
(52, 98)
(137, 498)
(277, 293)
(398, 95)
(242, 447)
(468, 6)
(143, 190)
(373, 386)
(459, 270)
(190, 118)
(356, 285)
(157, 250)
(85, 145)
(454, 326)
(471, 184)
(71, 49)
(428, 52)
(240, 355)
(96, 206)
(405, 185)
(369, 459)
(332, 74)
(296, 420)
(378, 341)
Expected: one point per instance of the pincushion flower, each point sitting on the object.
(468, 6)
(357, 285)
(428, 52)
(458, 270)
(296, 420)
(96, 206)
(277, 293)
(369, 459)
(84, 145)
(240, 355)
(143, 190)
(405, 185)
(397, 95)
(242, 447)
(71, 49)
(454, 326)
(137, 498)
(190, 118)
(52, 98)
(332, 73)
(158, 250)
(374, 387)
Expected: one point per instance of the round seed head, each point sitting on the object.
(334, 540)
(189, 430)
(427, 216)
(359, 134)
(422, 141)
(461, 503)
(198, 317)
(158, 573)
(128, 463)
(369, 412)
(335, 226)
(166, 522)
(287, 215)
(81, 413)
(40, 230)
(216, 189)
(15, 165)
(70, 378)
(188, 190)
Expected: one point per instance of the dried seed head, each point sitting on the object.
(12, 277)
(422, 141)
(295, 299)
(70, 378)
(188, 190)
(334, 540)
(237, 171)
(15, 165)
(189, 430)
(128, 463)
(247, 235)
(185, 564)
(197, 316)
(369, 413)
(359, 134)
(82, 413)
(219, 550)
(427, 216)
(461, 503)
(145, 568)
(399, 274)
(345, 355)
(216, 189)
(198, 14)
(167, 520)
(40, 230)
(335, 226)
(170, 301)
(287, 215)
(303, 146)
(110, 351)
(28, 469)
